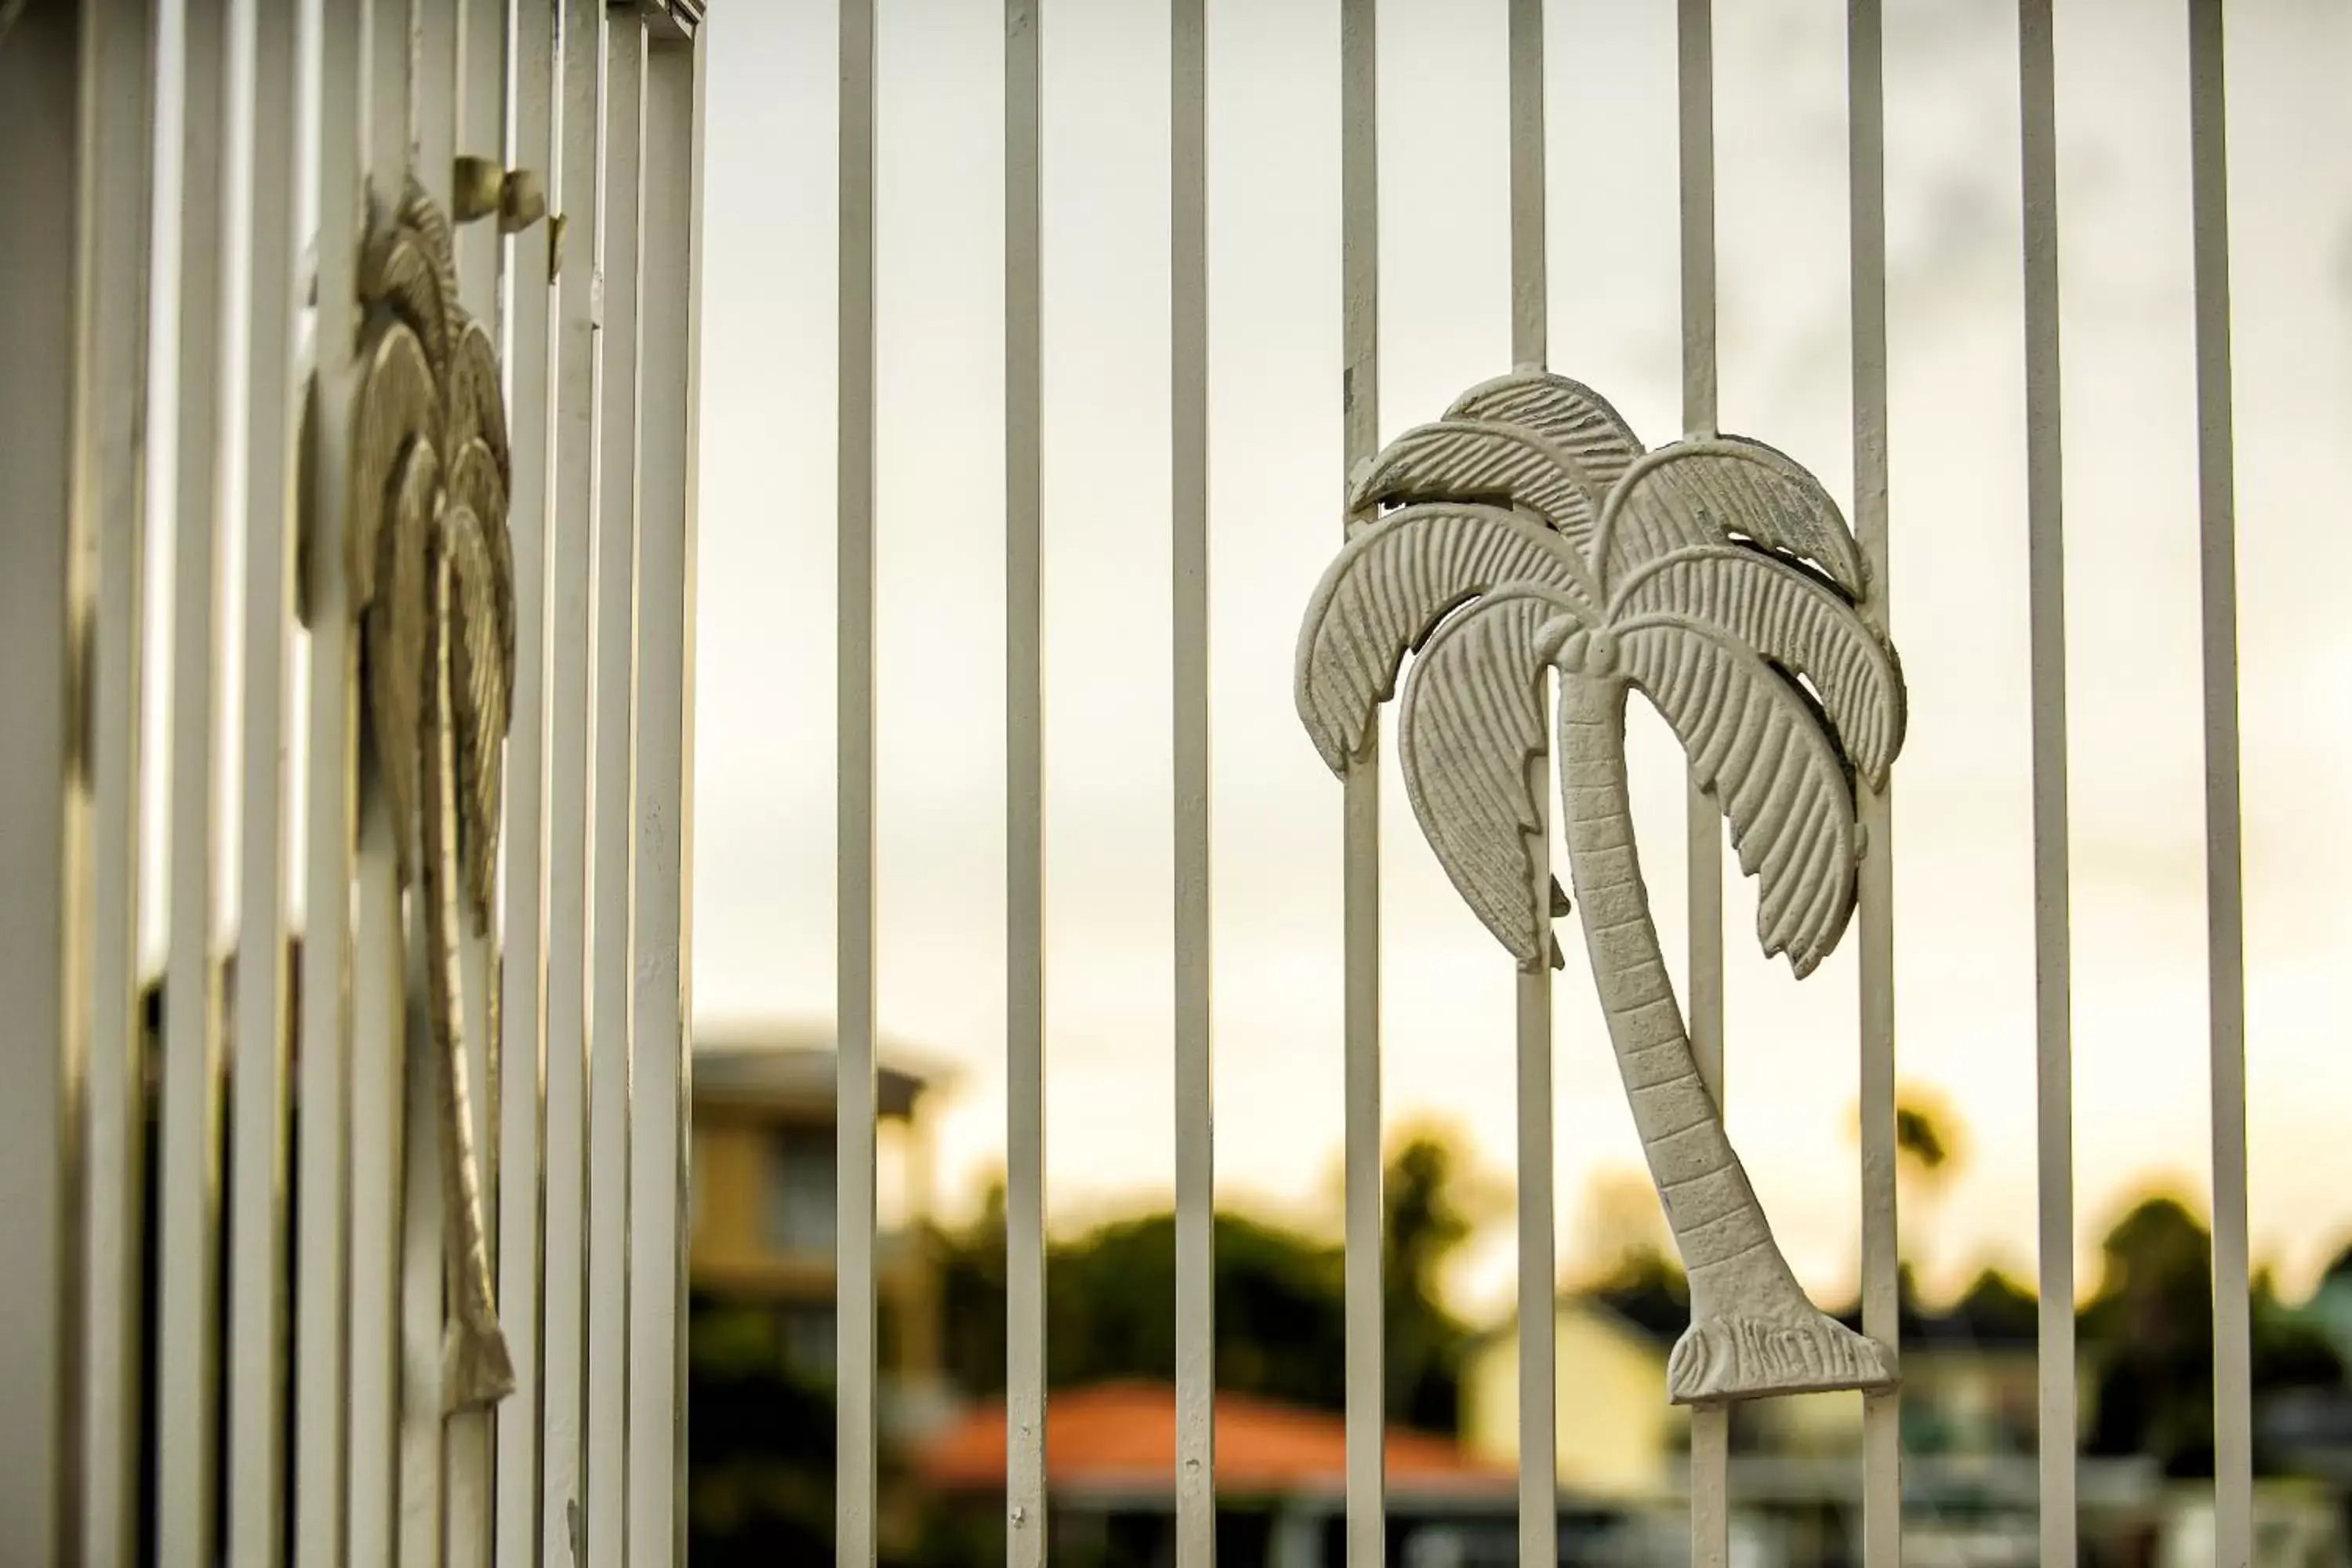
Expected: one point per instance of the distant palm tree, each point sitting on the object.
(432, 575)
(1527, 532)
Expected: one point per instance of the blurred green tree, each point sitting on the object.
(2149, 1332)
(1280, 1298)
(760, 1443)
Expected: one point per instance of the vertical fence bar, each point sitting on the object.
(1710, 1459)
(481, 254)
(378, 1100)
(698, 134)
(422, 1498)
(1360, 266)
(1538, 1323)
(479, 80)
(2225, 917)
(377, 1120)
(481, 121)
(258, 1343)
(478, 271)
(1196, 1355)
(522, 1055)
(1024, 805)
(658, 1148)
(117, 153)
(611, 794)
(322, 1342)
(2053, 961)
(188, 1317)
(1881, 1431)
(575, 459)
(854, 1535)
(1530, 346)
(51, 171)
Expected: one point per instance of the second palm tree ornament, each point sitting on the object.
(1527, 532)
(431, 572)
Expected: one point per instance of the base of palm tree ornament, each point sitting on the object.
(1527, 534)
(431, 573)
(1726, 1359)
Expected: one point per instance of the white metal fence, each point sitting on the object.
(1878, 526)
(224, 1313)
(224, 1304)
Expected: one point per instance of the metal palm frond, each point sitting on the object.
(1569, 413)
(1756, 746)
(1719, 490)
(1389, 589)
(1734, 583)
(1794, 622)
(1480, 460)
(431, 571)
(1468, 734)
(1714, 576)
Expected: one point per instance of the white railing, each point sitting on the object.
(234, 1263)
(1877, 524)
(178, 164)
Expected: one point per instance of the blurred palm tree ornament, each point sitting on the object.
(431, 572)
(1527, 532)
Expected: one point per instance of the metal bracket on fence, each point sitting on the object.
(481, 186)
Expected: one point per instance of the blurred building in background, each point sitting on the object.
(1617, 1437)
(765, 1206)
(1968, 1413)
(1111, 1468)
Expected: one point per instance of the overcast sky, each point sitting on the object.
(764, 828)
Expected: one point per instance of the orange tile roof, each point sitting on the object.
(1124, 1434)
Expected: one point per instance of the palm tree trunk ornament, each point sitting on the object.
(431, 572)
(1527, 532)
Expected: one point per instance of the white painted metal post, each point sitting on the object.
(1881, 1431)
(52, 168)
(323, 1299)
(378, 1094)
(373, 1471)
(1024, 805)
(853, 1529)
(481, 133)
(479, 78)
(561, 1544)
(614, 639)
(423, 1433)
(188, 1317)
(258, 1228)
(113, 279)
(522, 1008)
(1538, 1312)
(2225, 913)
(658, 1149)
(1709, 1432)
(1365, 1377)
(1196, 1197)
(2046, 619)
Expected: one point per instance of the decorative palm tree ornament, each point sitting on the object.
(1526, 532)
(431, 574)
